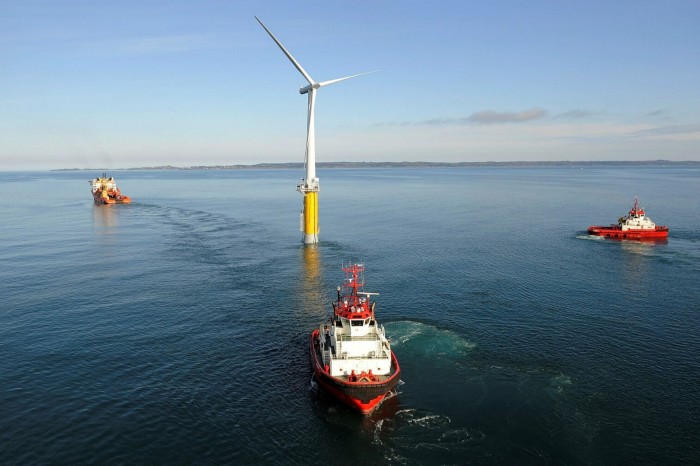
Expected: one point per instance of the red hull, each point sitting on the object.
(99, 200)
(616, 232)
(362, 396)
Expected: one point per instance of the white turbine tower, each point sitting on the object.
(309, 186)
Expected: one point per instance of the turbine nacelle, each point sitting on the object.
(306, 89)
(313, 85)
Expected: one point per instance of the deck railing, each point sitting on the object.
(371, 337)
(379, 353)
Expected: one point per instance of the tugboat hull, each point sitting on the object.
(363, 396)
(616, 232)
(120, 200)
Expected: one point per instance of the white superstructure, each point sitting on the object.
(355, 345)
(636, 220)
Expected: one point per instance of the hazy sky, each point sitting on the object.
(139, 82)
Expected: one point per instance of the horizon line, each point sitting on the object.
(386, 164)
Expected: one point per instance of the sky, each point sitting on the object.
(136, 83)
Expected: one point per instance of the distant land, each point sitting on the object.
(562, 163)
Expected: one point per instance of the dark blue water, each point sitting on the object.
(175, 330)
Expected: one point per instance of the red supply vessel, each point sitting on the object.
(105, 191)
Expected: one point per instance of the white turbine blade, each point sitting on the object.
(333, 81)
(286, 52)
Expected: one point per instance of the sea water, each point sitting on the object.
(174, 330)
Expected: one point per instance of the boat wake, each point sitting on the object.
(421, 419)
(588, 237)
(424, 433)
(559, 383)
(428, 340)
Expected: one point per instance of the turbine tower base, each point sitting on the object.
(310, 217)
(310, 239)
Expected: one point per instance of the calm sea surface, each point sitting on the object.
(175, 330)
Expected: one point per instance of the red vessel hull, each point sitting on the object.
(365, 397)
(614, 231)
(99, 200)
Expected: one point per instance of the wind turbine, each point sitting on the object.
(309, 186)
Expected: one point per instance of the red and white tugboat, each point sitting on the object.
(634, 225)
(105, 191)
(350, 354)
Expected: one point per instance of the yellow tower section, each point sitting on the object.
(310, 221)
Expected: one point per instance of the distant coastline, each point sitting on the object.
(562, 163)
